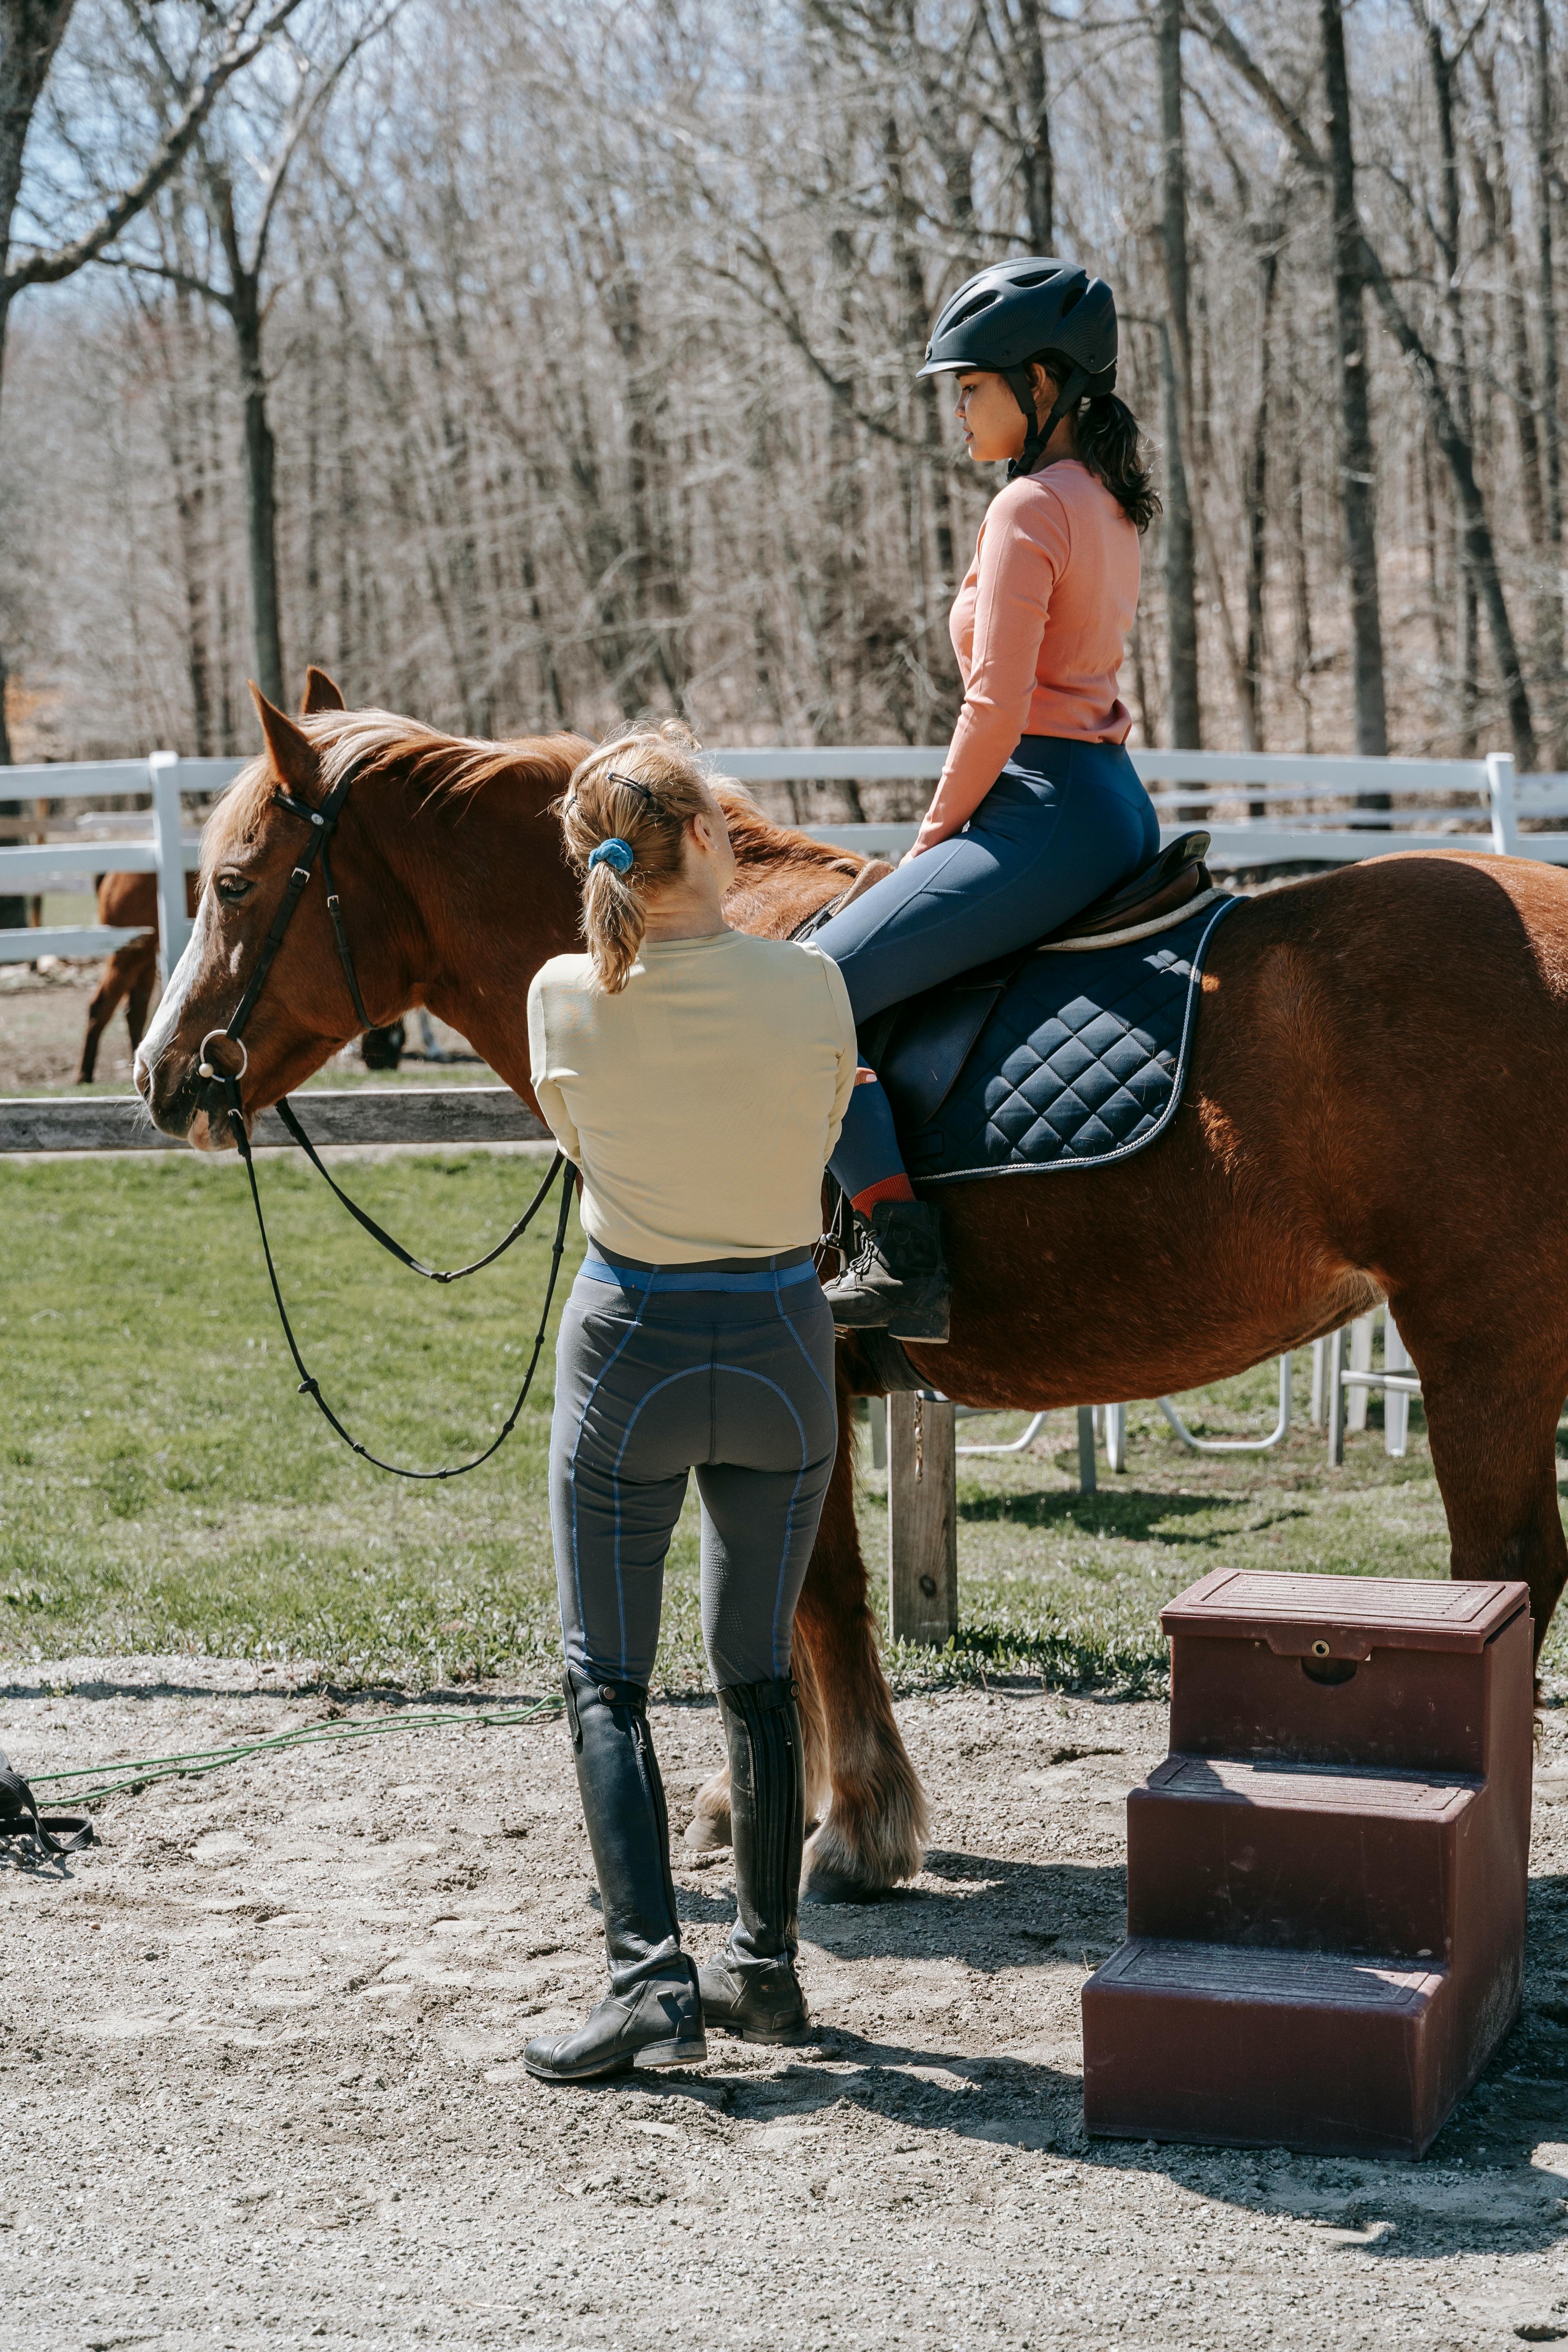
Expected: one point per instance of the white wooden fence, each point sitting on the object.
(1263, 809)
(161, 845)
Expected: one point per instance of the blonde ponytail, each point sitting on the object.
(635, 794)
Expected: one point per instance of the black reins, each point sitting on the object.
(220, 1091)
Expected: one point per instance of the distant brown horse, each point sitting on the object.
(1374, 1111)
(126, 902)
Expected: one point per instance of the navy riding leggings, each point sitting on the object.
(727, 1367)
(1063, 823)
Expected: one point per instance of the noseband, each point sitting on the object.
(220, 1089)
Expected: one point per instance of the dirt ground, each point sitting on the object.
(260, 2080)
(43, 1019)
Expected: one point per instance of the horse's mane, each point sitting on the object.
(758, 841)
(444, 766)
(454, 766)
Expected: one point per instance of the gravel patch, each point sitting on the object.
(260, 2078)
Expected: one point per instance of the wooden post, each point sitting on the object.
(1086, 1478)
(1361, 1361)
(174, 925)
(922, 1519)
(1336, 1399)
(1395, 1403)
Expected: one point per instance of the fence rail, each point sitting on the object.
(351, 1115)
(1241, 796)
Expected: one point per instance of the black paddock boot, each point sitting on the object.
(898, 1283)
(751, 1988)
(654, 2014)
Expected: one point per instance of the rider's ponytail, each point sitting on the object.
(623, 818)
(1108, 439)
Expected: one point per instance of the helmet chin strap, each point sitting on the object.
(1035, 438)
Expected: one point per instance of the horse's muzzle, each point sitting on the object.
(182, 1106)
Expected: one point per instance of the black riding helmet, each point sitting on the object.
(1008, 314)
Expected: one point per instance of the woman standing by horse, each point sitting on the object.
(697, 1077)
(1038, 808)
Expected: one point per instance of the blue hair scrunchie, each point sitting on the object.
(613, 852)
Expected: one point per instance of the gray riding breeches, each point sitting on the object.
(725, 1368)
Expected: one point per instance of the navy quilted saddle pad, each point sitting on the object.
(1081, 1060)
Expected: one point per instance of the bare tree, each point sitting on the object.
(218, 46)
(1176, 385)
(277, 133)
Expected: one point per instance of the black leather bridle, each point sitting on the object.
(219, 1086)
(220, 1091)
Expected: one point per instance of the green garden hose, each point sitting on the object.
(142, 1772)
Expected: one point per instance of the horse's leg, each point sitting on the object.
(860, 1786)
(877, 1829)
(136, 1003)
(101, 1011)
(1492, 1423)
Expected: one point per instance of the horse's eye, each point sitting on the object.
(231, 888)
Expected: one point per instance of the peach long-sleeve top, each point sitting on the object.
(1040, 627)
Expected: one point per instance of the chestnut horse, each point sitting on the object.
(1373, 1111)
(124, 900)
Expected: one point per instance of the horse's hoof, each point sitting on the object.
(707, 1834)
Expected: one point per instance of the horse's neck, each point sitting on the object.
(508, 903)
(497, 902)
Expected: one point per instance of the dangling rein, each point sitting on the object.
(221, 1091)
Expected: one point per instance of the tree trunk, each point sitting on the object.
(843, 552)
(1036, 163)
(1469, 629)
(261, 512)
(1480, 550)
(1257, 488)
(8, 922)
(1551, 427)
(1176, 375)
(1358, 495)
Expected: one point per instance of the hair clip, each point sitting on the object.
(614, 776)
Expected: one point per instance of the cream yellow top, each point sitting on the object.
(701, 1102)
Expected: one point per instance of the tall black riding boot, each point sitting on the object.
(654, 2014)
(898, 1280)
(751, 1988)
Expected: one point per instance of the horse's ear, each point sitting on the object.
(321, 693)
(293, 754)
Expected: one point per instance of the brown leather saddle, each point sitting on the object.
(919, 1047)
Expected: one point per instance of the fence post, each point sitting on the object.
(1086, 1478)
(1500, 790)
(173, 924)
(922, 1518)
(1361, 1361)
(1395, 1406)
(1335, 1398)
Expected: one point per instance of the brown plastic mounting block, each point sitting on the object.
(1326, 1877)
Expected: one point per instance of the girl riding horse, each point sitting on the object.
(1038, 808)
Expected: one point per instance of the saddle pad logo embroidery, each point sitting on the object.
(1082, 1061)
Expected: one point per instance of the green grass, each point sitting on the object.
(164, 1488)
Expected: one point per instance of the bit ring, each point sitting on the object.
(204, 1069)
